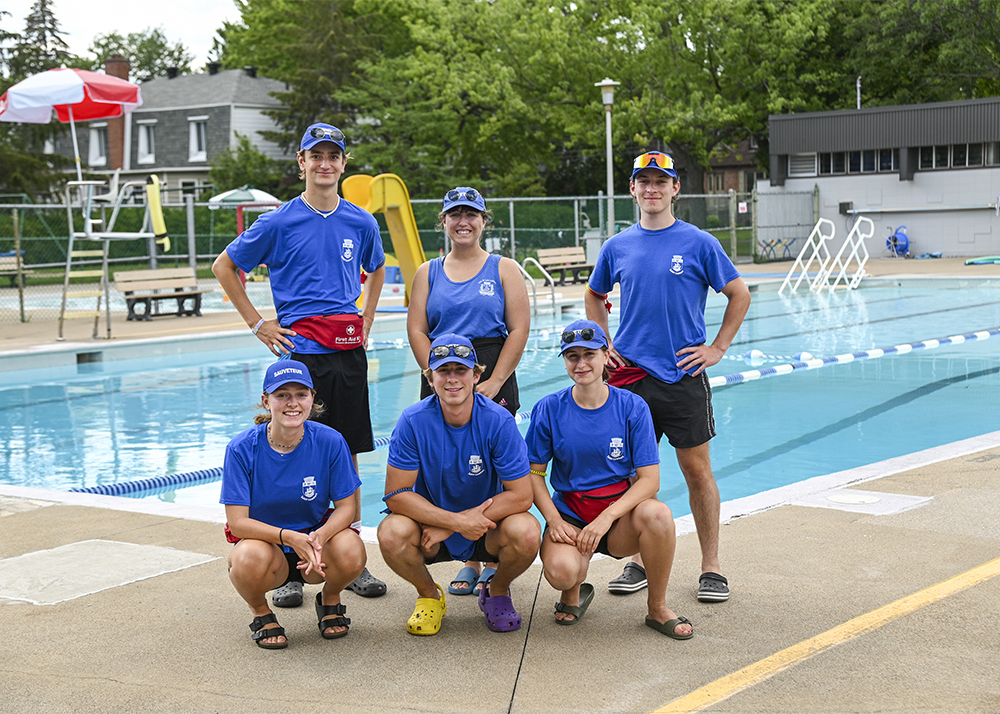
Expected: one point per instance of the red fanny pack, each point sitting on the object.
(625, 375)
(588, 505)
(338, 332)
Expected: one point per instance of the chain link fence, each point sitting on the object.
(37, 235)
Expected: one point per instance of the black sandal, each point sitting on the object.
(325, 611)
(259, 633)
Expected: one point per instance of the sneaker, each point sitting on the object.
(288, 595)
(632, 580)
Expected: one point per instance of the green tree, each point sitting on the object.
(246, 164)
(149, 52)
(41, 45)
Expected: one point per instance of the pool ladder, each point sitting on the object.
(853, 251)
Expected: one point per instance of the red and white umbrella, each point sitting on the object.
(73, 94)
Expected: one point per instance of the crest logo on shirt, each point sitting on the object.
(348, 249)
(487, 287)
(616, 451)
(309, 488)
(475, 465)
(677, 264)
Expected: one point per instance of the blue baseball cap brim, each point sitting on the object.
(600, 339)
(479, 203)
(309, 141)
(450, 340)
(284, 372)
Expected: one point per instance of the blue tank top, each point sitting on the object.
(473, 309)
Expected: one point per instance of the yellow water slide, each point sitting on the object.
(387, 194)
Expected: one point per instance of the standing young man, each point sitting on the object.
(665, 267)
(457, 485)
(315, 247)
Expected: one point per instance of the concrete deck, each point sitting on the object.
(885, 606)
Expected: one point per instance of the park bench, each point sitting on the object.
(8, 267)
(571, 260)
(151, 287)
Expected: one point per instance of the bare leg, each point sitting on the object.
(399, 541)
(516, 539)
(565, 569)
(703, 493)
(255, 567)
(345, 557)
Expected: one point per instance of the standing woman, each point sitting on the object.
(605, 474)
(480, 296)
(278, 481)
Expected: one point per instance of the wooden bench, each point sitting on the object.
(571, 260)
(178, 284)
(8, 268)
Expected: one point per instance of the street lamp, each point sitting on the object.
(608, 97)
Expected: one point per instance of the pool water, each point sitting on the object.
(116, 421)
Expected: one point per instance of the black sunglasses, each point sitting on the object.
(586, 335)
(460, 351)
(318, 132)
(469, 195)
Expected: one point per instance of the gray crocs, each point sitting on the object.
(288, 595)
(367, 585)
(633, 579)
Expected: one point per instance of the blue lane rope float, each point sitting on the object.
(804, 361)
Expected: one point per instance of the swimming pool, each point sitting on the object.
(111, 422)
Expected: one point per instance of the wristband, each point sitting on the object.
(387, 496)
(280, 539)
(257, 326)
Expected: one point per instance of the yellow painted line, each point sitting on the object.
(723, 688)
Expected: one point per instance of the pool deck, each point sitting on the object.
(866, 591)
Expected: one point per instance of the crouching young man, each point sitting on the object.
(457, 488)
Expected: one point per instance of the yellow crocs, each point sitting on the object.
(427, 615)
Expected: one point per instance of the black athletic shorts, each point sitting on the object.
(487, 352)
(602, 545)
(341, 382)
(682, 410)
(479, 554)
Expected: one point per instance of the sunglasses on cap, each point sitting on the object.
(654, 158)
(586, 335)
(461, 351)
(318, 132)
(456, 195)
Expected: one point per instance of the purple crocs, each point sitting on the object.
(499, 610)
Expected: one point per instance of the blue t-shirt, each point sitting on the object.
(664, 277)
(314, 263)
(458, 467)
(474, 308)
(291, 490)
(590, 448)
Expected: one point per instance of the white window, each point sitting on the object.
(49, 147)
(197, 132)
(98, 144)
(802, 165)
(147, 141)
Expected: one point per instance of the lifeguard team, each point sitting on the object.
(460, 478)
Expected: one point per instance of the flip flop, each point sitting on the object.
(712, 587)
(667, 628)
(367, 585)
(632, 579)
(578, 611)
(427, 615)
(484, 578)
(499, 610)
(466, 575)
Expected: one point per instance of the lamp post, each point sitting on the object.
(608, 97)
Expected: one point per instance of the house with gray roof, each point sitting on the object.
(185, 121)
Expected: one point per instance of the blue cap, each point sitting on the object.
(451, 341)
(322, 132)
(464, 196)
(573, 336)
(655, 160)
(284, 372)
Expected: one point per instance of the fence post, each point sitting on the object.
(192, 242)
(815, 203)
(732, 224)
(753, 223)
(576, 221)
(18, 262)
(513, 255)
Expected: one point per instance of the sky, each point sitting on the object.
(192, 22)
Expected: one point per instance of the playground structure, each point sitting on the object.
(849, 262)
